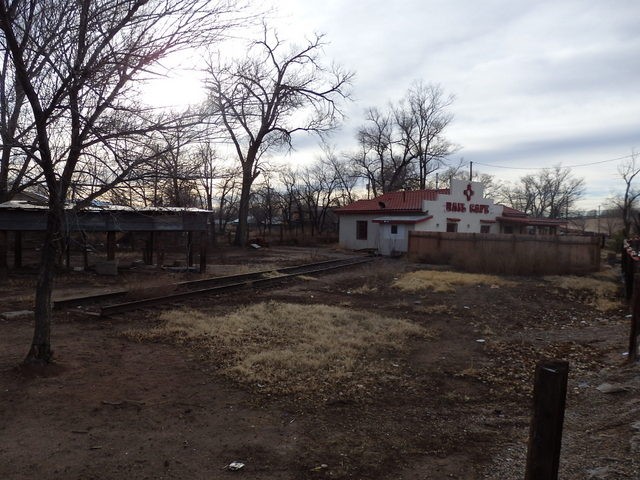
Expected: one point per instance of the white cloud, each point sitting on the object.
(536, 83)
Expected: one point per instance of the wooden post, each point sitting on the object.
(159, 251)
(17, 249)
(189, 249)
(111, 245)
(545, 435)
(3, 254)
(85, 251)
(628, 272)
(149, 249)
(67, 251)
(635, 320)
(203, 252)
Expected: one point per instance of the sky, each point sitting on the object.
(536, 83)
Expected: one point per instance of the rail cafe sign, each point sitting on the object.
(460, 207)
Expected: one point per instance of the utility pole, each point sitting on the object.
(471, 171)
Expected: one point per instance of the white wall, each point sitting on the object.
(347, 234)
(470, 221)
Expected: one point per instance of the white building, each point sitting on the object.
(383, 223)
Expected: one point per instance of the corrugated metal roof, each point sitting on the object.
(409, 201)
(25, 205)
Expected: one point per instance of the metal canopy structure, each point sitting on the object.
(23, 216)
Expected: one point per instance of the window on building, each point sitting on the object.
(452, 227)
(508, 229)
(394, 229)
(485, 228)
(361, 230)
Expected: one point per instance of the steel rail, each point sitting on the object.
(108, 310)
(75, 301)
(214, 281)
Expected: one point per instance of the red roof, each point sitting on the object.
(512, 212)
(409, 201)
(541, 222)
(511, 215)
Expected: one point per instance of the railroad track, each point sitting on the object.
(214, 285)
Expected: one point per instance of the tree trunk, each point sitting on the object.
(242, 231)
(40, 351)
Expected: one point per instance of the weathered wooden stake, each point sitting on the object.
(628, 271)
(635, 320)
(545, 435)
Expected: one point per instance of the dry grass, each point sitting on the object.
(441, 309)
(364, 290)
(599, 290)
(445, 281)
(289, 348)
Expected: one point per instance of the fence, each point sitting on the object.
(508, 254)
(631, 273)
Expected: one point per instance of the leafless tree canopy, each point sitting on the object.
(626, 203)
(552, 193)
(262, 100)
(73, 72)
(401, 146)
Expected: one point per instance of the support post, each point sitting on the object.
(159, 251)
(111, 245)
(67, 251)
(189, 249)
(3, 254)
(203, 252)
(85, 251)
(545, 435)
(635, 320)
(149, 248)
(17, 249)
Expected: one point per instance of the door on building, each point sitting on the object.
(393, 239)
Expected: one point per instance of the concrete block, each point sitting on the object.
(107, 267)
(16, 314)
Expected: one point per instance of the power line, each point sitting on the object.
(564, 166)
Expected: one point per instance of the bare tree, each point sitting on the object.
(423, 117)
(626, 203)
(401, 146)
(552, 192)
(89, 55)
(227, 188)
(344, 173)
(17, 170)
(271, 94)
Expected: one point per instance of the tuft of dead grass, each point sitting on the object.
(599, 290)
(445, 281)
(365, 290)
(290, 348)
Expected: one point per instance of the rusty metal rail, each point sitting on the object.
(75, 301)
(231, 283)
(244, 277)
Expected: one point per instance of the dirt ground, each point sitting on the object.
(458, 405)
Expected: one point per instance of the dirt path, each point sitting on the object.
(114, 409)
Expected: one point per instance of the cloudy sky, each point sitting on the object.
(537, 83)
